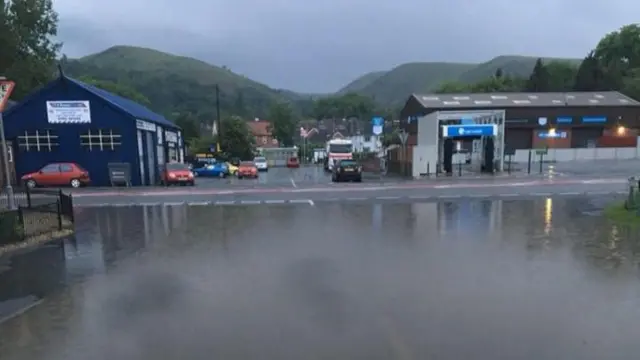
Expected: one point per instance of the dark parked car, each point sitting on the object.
(346, 170)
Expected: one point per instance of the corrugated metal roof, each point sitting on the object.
(130, 107)
(506, 100)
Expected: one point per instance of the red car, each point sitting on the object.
(58, 174)
(293, 162)
(176, 174)
(247, 169)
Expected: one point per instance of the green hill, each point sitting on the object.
(175, 84)
(394, 86)
(362, 82)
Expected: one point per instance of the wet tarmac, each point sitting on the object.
(471, 279)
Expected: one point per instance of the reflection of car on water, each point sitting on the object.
(210, 169)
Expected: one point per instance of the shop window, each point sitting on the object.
(100, 140)
(39, 140)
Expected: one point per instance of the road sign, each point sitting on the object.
(377, 129)
(6, 87)
(542, 151)
(377, 121)
(403, 135)
(470, 130)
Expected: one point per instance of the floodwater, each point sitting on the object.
(543, 279)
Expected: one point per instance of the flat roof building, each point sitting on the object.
(533, 120)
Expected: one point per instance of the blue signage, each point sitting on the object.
(564, 120)
(377, 121)
(594, 119)
(470, 130)
(552, 134)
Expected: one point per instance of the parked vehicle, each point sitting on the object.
(58, 174)
(176, 174)
(261, 163)
(346, 170)
(293, 162)
(214, 169)
(233, 168)
(247, 169)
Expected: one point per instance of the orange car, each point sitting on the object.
(293, 162)
(247, 169)
(176, 174)
(58, 174)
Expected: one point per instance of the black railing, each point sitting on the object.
(39, 212)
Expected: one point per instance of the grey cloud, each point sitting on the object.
(317, 46)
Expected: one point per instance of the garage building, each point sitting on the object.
(573, 126)
(70, 121)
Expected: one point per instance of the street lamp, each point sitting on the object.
(5, 92)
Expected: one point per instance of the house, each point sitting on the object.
(260, 129)
(70, 121)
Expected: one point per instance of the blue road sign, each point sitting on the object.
(470, 130)
(377, 121)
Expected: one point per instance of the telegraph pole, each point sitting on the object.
(218, 120)
(6, 87)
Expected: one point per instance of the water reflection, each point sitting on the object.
(508, 279)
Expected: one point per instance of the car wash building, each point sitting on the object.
(70, 121)
(572, 126)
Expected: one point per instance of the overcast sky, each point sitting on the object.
(319, 46)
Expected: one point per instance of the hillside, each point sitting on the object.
(175, 84)
(362, 82)
(394, 86)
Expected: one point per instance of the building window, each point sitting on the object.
(39, 140)
(100, 140)
(367, 138)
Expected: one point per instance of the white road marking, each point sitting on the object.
(250, 202)
(293, 183)
(449, 196)
(541, 194)
(311, 203)
(274, 201)
(174, 203)
(387, 197)
(599, 192)
(199, 203)
(421, 197)
(570, 193)
(479, 195)
(509, 195)
(299, 201)
(356, 199)
(231, 202)
(147, 204)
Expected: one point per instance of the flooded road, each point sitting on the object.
(521, 279)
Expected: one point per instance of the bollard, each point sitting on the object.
(459, 168)
(428, 170)
(541, 155)
(529, 163)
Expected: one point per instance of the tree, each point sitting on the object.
(453, 87)
(539, 79)
(117, 89)
(562, 75)
(590, 75)
(498, 73)
(28, 53)
(236, 140)
(283, 125)
(190, 127)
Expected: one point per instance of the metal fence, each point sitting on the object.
(39, 211)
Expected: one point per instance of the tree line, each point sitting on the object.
(613, 65)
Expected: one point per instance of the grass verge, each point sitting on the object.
(617, 213)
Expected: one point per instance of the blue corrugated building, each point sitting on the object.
(70, 121)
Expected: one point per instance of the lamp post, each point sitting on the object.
(6, 87)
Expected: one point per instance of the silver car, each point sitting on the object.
(261, 163)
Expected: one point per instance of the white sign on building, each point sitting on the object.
(68, 112)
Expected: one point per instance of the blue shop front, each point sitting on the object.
(71, 121)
